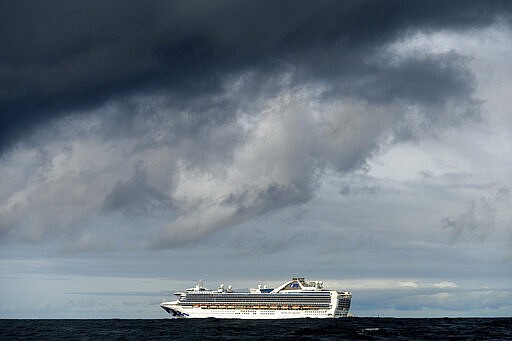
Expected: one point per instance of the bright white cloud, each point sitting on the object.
(445, 284)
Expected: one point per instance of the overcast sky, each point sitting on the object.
(145, 145)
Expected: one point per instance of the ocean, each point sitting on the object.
(299, 329)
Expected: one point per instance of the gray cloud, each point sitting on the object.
(479, 221)
(204, 116)
(266, 151)
(77, 55)
(136, 196)
(360, 185)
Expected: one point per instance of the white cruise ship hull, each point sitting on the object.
(182, 312)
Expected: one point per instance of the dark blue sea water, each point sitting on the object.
(300, 329)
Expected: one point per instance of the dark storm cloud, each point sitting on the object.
(64, 55)
(213, 112)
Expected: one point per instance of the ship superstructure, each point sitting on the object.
(293, 299)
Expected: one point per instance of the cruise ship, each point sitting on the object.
(296, 298)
